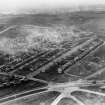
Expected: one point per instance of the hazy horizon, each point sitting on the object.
(11, 6)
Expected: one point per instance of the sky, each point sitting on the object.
(13, 5)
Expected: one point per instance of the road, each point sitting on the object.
(64, 88)
(1, 32)
(23, 94)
